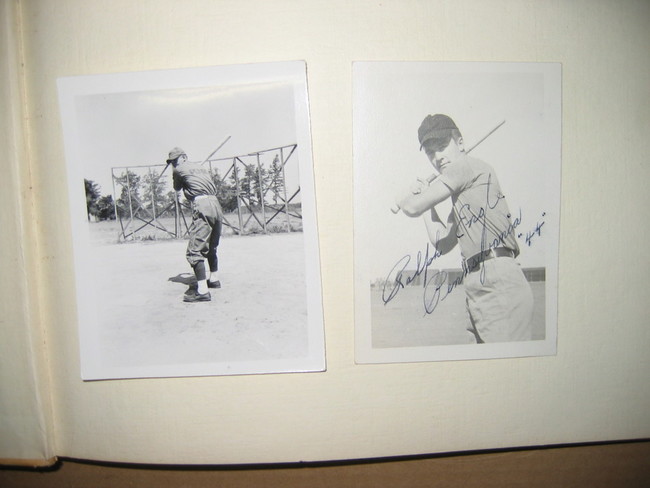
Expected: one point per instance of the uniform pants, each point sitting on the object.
(205, 231)
(499, 302)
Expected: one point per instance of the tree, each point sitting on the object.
(259, 180)
(226, 193)
(153, 194)
(251, 184)
(276, 180)
(106, 208)
(92, 195)
(129, 200)
(240, 184)
(245, 185)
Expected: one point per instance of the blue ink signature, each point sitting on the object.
(433, 281)
(537, 231)
(436, 284)
(396, 278)
(466, 216)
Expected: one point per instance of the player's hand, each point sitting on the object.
(415, 189)
(418, 187)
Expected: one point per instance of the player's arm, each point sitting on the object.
(424, 198)
(178, 185)
(443, 237)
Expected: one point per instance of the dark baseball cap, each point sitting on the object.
(174, 154)
(438, 127)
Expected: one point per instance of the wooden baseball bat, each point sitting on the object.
(213, 152)
(204, 161)
(396, 208)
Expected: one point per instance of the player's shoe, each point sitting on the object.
(214, 284)
(196, 297)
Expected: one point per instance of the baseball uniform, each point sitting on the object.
(499, 298)
(196, 182)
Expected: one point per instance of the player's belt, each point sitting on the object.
(473, 263)
(200, 197)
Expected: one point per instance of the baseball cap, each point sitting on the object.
(438, 126)
(174, 153)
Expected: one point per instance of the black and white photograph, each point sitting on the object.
(456, 210)
(193, 221)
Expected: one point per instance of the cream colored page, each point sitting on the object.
(594, 389)
(25, 435)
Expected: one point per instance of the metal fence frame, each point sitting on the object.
(248, 218)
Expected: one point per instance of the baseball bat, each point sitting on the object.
(205, 160)
(396, 208)
(213, 152)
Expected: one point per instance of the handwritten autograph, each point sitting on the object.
(397, 277)
(537, 231)
(436, 284)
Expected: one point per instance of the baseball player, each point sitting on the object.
(195, 181)
(498, 296)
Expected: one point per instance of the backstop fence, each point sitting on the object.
(259, 193)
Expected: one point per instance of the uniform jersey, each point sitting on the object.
(194, 179)
(480, 209)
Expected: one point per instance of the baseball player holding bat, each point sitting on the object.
(195, 181)
(498, 297)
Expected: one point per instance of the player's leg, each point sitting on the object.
(471, 327)
(502, 301)
(215, 220)
(213, 258)
(198, 242)
(201, 277)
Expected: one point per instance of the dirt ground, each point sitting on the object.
(259, 314)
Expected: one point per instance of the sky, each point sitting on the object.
(135, 128)
(390, 102)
